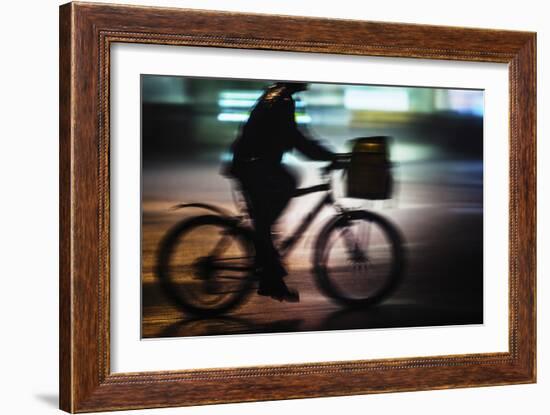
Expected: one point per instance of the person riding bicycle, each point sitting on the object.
(271, 131)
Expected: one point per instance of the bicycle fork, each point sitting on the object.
(355, 245)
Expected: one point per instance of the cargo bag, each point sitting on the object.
(369, 173)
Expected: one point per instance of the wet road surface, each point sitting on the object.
(439, 216)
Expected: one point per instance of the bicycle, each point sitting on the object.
(206, 263)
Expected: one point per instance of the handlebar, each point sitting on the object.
(340, 161)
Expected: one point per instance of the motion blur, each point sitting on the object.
(436, 153)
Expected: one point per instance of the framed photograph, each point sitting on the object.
(258, 207)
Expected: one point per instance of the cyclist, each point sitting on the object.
(271, 131)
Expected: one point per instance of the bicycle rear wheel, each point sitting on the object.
(205, 265)
(358, 258)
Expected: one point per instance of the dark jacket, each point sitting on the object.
(270, 131)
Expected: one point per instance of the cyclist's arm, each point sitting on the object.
(312, 148)
(300, 138)
(307, 145)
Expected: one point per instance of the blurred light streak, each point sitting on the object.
(245, 103)
(240, 103)
(303, 119)
(324, 99)
(466, 102)
(400, 152)
(233, 116)
(249, 95)
(243, 116)
(374, 99)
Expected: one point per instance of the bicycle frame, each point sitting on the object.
(290, 242)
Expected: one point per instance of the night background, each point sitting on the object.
(188, 125)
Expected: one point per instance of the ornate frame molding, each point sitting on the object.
(86, 33)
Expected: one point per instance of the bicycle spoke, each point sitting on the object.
(357, 260)
(220, 247)
(351, 241)
(209, 266)
(365, 243)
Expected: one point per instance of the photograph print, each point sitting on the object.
(272, 206)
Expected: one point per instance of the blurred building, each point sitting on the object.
(198, 118)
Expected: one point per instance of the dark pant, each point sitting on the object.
(267, 191)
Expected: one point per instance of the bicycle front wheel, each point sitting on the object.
(205, 265)
(358, 258)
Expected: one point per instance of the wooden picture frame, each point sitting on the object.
(86, 33)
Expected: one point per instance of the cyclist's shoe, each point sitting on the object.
(278, 290)
(275, 270)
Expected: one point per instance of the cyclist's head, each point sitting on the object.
(293, 87)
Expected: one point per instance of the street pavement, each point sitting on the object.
(437, 207)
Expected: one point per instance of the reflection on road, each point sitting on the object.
(438, 208)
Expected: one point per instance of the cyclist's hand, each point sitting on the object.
(340, 161)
